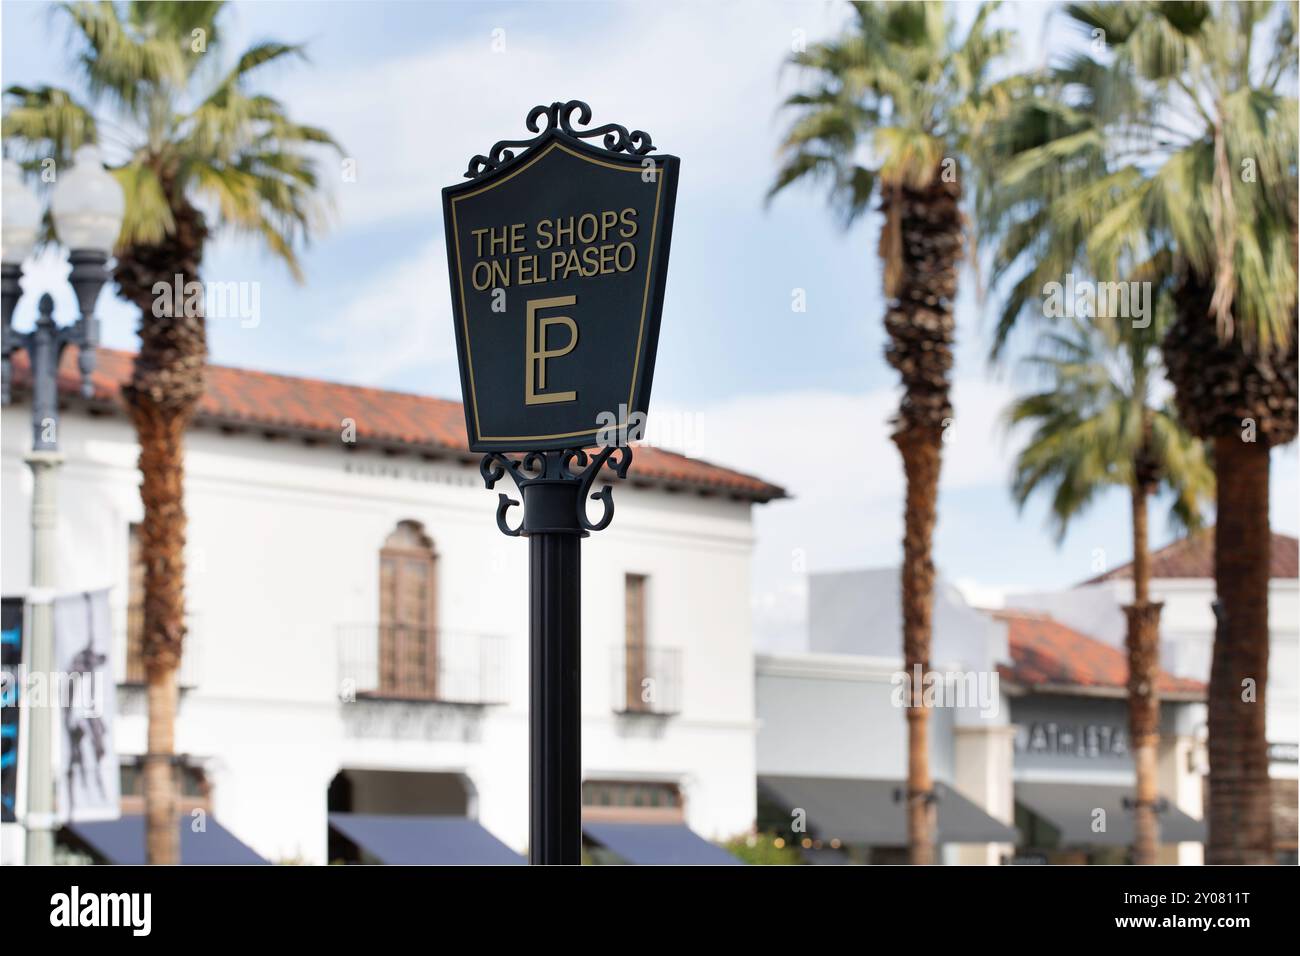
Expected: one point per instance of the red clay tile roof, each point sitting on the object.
(1047, 653)
(1193, 557)
(310, 406)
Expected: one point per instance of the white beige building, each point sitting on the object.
(358, 624)
(1028, 735)
(1183, 580)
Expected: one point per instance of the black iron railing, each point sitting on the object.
(403, 662)
(647, 679)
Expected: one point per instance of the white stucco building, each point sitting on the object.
(1182, 578)
(847, 779)
(1028, 735)
(358, 625)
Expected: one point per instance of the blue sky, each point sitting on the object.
(412, 90)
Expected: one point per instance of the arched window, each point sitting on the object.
(408, 613)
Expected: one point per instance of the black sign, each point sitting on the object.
(11, 646)
(558, 256)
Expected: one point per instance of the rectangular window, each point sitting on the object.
(634, 644)
(632, 801)
(193, 787)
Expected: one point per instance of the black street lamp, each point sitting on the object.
(87, 207)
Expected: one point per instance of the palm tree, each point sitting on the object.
(200, 152)
(1168, 152)
(889, 111)
(1096, 426)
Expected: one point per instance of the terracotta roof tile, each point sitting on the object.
(1193, 557)
(1045, 652)
(287, 403)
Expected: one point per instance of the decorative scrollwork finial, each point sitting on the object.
(573, 467)
(559, 117)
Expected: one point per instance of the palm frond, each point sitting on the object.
(124, 65)
(1117, 153)
(236, 147)
(1091, 422)
(888, 100)
(45, 122)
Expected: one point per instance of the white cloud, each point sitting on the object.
(854, 427)
(832, 453)
(701, 80)
(395, 321)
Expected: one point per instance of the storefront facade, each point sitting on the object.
(1183, 581)
(832, 740)
(1028, 743)
(1073, 776)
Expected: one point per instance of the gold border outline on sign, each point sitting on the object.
(645, 298)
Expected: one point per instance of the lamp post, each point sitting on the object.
(87, 207)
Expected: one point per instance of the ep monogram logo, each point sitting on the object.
(536, 353)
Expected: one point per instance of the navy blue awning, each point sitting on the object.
(423, 841)
(121, 842)
(658, 844)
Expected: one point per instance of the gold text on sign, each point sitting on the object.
(535, 345)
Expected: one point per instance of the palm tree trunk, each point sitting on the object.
(921, 459)
(1240, 820)
(1244, 396)
(920, 245)
(166, 384)
(162, 468)
(1142, 642)
(162, 831)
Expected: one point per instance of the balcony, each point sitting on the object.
(128, 649)
(646, 679)
(405, 663)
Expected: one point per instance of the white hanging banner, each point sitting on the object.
(88, 785)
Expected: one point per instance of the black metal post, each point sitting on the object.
(43, 349)
(555, 522)
(10, 291)
(46, 341)
(554, 698)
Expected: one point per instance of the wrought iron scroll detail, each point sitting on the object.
(572, 465)
(561, 116)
